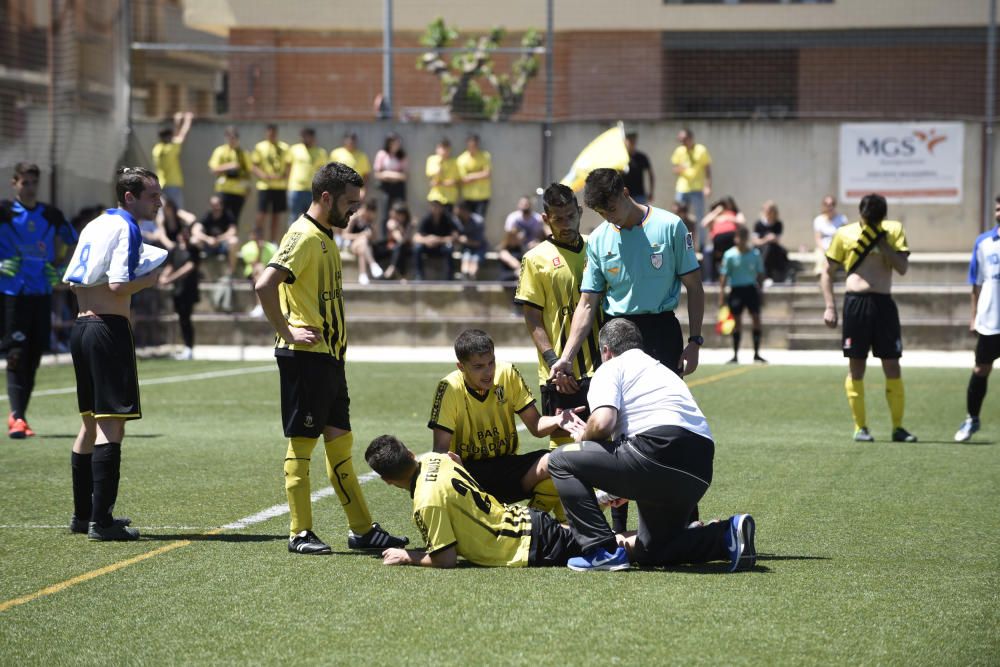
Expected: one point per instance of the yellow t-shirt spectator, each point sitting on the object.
(695, 161)
(356, 160)
(236, 181)
(167, 161)
(468, 163)
(271, 159)
(443, 170)
(305, 161)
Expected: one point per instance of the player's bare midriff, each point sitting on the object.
(100, 300)
(873, 276)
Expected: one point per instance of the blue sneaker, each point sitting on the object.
(739, 542)
(599, 559)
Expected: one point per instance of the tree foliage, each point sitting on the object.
(460, 76)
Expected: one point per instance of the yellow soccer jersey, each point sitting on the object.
(695, 161)
(550, 282)
(471, 164)
(233, 185)
(855, 241)
(356, 160)
(482, 427)
(167, 162)
(450, 509)
(443, 169)
(312, 295)
(271, 159)
(305, 161)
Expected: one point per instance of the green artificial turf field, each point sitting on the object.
(877, 553)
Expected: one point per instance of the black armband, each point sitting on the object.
(550, 358)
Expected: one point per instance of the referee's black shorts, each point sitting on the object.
(987, 349)
(661, 336)
(744, 297)
(313, 394)
(871, 322)
(107, 382)
(551, 544)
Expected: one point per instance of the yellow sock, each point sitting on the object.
(297, 484)
(555, 441)
(856, 399)
(545, 498)
(894, 396)
(340, 470)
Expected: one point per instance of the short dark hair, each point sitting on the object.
(25, 168)
(307, 131)
(271, 126)
(633, 135)
(471, 342)
(351, 134)
(334, 177)
(132, 179)
(558, 195)
(388, 456)
(601, 187)
(688, 132)
(873, 208)
(620, 335)
(166, 133)
(473, 137)
(444, 141)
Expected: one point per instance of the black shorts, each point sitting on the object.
(27, 324)
(744, 296)
(501, 476)
(551, 544)
(987, 349)
(552, 400)
(871, 321)
(313, 394)
(107, 382)
(274, 201)
(661, 336)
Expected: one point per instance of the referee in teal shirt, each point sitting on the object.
(637, 260)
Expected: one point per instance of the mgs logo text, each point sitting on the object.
(900, 146)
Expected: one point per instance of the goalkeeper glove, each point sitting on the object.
(52, 274)
(9, 267)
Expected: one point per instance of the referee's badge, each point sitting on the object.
(656, 260)
(557, 261)
(689, 241)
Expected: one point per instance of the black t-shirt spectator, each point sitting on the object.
(218, 226)
(635, 179)
(443, 226)
(186, 288)
(762, 229)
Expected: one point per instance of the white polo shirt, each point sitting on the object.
(646, 394)
(984, 270)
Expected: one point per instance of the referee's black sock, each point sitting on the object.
(106, 466)
(737, 336)
(975, 394)
(83, 485)
(756, 343)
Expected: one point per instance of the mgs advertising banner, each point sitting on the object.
(914, 163)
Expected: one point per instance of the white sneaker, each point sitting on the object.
(257, 311)
(375, 270)
(185, 355)
(363, 278)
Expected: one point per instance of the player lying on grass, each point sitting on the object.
(457, 518)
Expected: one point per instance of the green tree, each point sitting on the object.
(460, 87)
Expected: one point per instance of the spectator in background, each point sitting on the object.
(215, 234)
(167, 157)
(435, 237)
(639, 169)
(270, 166)
(742, 270)
(523, 230)
(390, 169)
(361, 237)
(169, 221)
(825, 225)
(721, 223)
(348, 153)
(471, 238)
(396, 247)
(680, 209)
(304, 159)
(231, 166)
(767, 239)
(476, 167)
(692, 164)
(256, 254)
(442, 171)
(180, 274)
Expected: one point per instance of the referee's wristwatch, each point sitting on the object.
(697, 340)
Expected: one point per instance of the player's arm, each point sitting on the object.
(267, 293)
(446, 558)
(600, 426)
(696, 315)
(826, 287)
(132, 286)
(182, 125)
(541, 426)
(583, 320)
(442, 441)
(900, 261)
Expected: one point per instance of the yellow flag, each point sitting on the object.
(607, 150)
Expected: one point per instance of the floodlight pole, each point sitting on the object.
(549, 69)
(385, 110)
(991, 75)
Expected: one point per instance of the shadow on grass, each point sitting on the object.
(72, 436)
(723, 568)
(221, 537)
